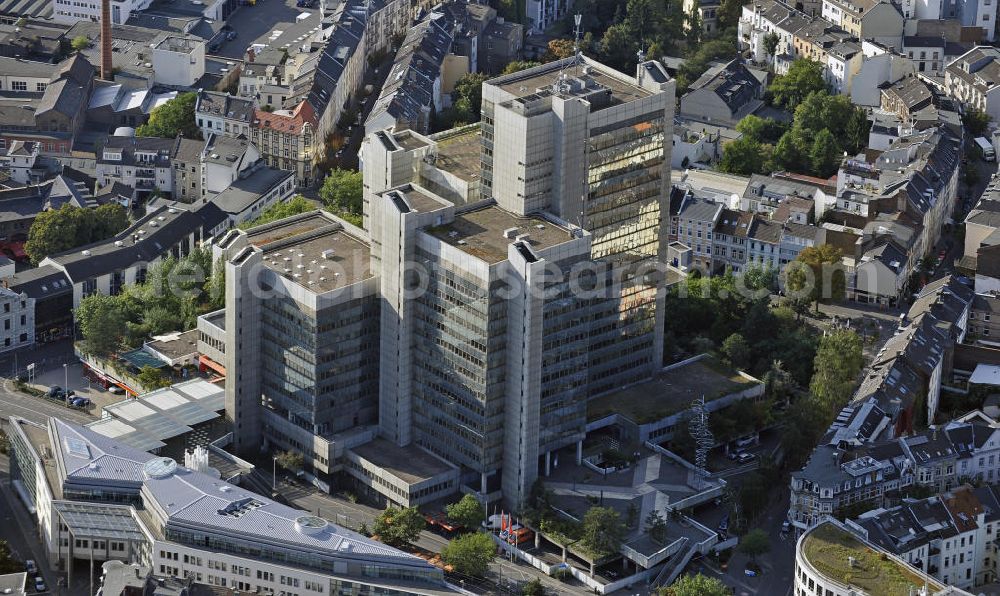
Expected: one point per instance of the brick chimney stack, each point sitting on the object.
(107, 72)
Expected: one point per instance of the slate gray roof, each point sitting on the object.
(225, 105)
(246, 190)
(732, 82)
(408, 92)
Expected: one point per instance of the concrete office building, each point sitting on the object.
(95, 499)
(457, 343)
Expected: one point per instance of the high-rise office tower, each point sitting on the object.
(508, 265)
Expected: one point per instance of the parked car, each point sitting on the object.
(116, 390)
(746, 441)
(39, 584)
(30, 567)
(724, 524)
(55, 391)
(80, 402)
(745, 458)
(231, 36)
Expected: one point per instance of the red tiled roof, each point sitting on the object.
(292, 124)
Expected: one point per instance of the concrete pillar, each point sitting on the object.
(548, 463)
(579, 453)
(483, 483)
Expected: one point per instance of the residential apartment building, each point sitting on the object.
(451, 405)
(695, 225)
(724, 95)
(223, 114)
(974, 79)
(866, 19)
(17, 320)
(288, 140)
(541, 14)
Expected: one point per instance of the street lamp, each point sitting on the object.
(66, 377)
(274, 473)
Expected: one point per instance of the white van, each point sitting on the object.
(987, 148)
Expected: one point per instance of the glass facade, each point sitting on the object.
(459, 361)
(320, 369)
(625, 186)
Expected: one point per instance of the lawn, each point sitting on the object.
(828, 547)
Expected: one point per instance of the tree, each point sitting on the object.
(729, 13)
(976, 122)
(343, 192)
(817, 274)
(533, 588)
(153, 378)
(696, 585)
(101, 322)
(764, 130)
(603, 531)
(470, 554)
(803, 77)
(290, 460)
(519, 65)
(788, 152)
(80, 43)
(755, 543)
(745, 156)
(470, 89)
(468, 511)
(656, 526)
(60, 230)
(737, 350)
(825, 154)
(771, 44)
(559, 49)
(836, 367)
(399, 527)
(616, 47)
(298, 204)
(172, 119)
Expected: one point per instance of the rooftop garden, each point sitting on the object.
(829, 549)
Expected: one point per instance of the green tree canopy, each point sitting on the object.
(470, 554)
(533, 588)
(764, 130)
(656, 527)
(519, 65)
(696, 585)
(603, 531)
(825, 154)
(771, 43)
(172, 119)
(468, 511)
(296, 205)
(818, 274)
(399, 527)
(290, 460)
(343, 193)
(745, 156)
(101, 320)
(976, 122)
(80, 43)
(153, 378)
(836, 367)
(803, 77)
(737, 350)
(755, 543)
(69, 227)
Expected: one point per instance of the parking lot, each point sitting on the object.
(253, 24)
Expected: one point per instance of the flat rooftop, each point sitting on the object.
(828, 547)
(409, 141)
(410, 464)
(481, 232)
(528, 82)
(38, 437)
(419, 200)
(261, 236)
(672, 391)
(176, 345)
(309, 261)
(460, 153)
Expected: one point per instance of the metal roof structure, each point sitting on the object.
(145, 423)
(104, 521)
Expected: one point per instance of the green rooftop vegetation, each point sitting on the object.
(828, 549)
(670, 392)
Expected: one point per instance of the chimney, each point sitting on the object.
(251, 54)
(107, 68)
